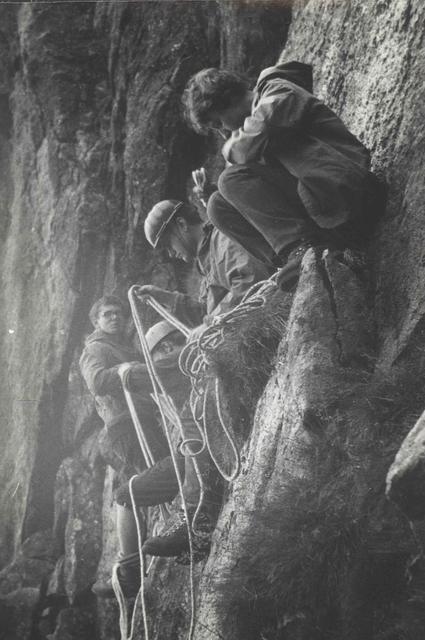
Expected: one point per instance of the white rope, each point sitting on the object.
(159, 308)
(194, 363)
(123, 621)
(164, 400)
(124, 371)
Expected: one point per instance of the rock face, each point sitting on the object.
(405, 480)
(91, 135)
(367, 58)
(307, 519)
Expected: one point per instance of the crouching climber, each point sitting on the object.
(296, 177)
(158, 484)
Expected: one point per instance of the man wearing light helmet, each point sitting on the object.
(159, 484)
(227, 270)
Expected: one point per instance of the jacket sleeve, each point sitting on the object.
(280, 111)
(237, 270)
(188, 310)
(100, 379)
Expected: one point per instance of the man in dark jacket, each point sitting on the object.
(99, 363)
(105, 350)
(227, 270)
(297, 175)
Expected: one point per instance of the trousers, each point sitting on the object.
(258, 206)
(159, 483)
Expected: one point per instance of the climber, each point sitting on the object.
(159, 484)
(227, 270)
(296, 176)
(105, 350)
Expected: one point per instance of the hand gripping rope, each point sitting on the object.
(169, 414)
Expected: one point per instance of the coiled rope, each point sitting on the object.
(195, 363)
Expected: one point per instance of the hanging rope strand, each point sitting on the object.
(160, 392)
(124, 373)
(194, 363)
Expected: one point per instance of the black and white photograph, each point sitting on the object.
(212, 320)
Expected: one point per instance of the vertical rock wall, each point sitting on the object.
(307, 545)
(91, 136)
(368, 60)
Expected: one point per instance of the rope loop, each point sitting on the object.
(195, 360)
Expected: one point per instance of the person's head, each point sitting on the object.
(109, 314)
(215, 98)
(164, 341)
(176, 227)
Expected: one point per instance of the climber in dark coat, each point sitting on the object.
(296, 175)
(159, 484)
(105, 350)
(228, 271)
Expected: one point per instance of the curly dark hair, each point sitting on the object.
(211, 90)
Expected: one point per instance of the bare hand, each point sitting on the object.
(164, 297)
(200, 179)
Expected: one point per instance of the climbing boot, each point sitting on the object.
(174, 540)
(128, 576)
(104, 588)
(287, 276)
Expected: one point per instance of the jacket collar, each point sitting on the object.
(296, 72)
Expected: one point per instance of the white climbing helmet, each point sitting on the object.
(158, 332)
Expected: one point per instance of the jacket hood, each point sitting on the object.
(297, 72)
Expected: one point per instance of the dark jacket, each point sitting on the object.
(227, 271)
(290, 125)
(99, 363)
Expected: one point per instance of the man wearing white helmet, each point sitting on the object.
(158, 484)
(227, 270)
